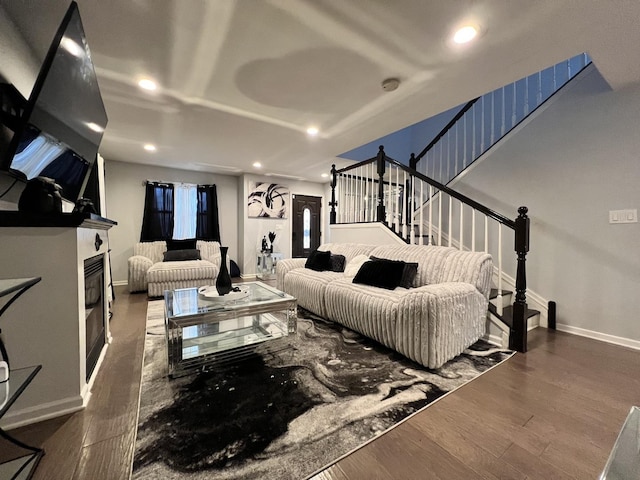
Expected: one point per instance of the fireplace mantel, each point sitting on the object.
(9, 218)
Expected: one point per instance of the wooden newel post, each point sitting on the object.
(381, 212)
(332, 203)
(518, 337)
(413, 163)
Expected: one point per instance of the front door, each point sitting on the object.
(305, 236)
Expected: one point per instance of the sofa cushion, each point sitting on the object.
(186, 244)
(369, 310)
(380, 273)
(409, 272)
(319, 261)
(338, 262)
(349, 250)
(181, 255)
(430, 259)
(352, 267)
(308, 286)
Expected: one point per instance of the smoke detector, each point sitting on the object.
(390, 84)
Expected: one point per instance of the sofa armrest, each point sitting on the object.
(138, 266)
(215, 259)
(286, 265)
(437, 322)
(210, 251)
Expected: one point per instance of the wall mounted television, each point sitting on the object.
(62, 124)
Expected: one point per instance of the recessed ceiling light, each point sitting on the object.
(324, 175)
(257, 164)
(465, 34)
(313, 131)
(150, 147)
(147, 84)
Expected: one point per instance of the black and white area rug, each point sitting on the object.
(285, 415)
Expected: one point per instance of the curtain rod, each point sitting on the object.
(144, 183)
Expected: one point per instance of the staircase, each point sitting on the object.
(417, 202)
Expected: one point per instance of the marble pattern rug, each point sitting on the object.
(288, 414)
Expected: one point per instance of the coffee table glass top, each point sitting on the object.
(624, 460)
(186, 302)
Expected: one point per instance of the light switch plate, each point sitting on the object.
(623, 216)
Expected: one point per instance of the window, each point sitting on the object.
(180, 211)
(306, 228)
(185, 209)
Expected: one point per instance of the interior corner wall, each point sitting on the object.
(125, 205)
(18, 64)
(570, 166)
(256, 228)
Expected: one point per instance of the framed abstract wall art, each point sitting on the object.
(268, 200)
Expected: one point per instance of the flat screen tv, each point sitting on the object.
(63, 122)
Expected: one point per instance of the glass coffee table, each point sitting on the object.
(203, 332)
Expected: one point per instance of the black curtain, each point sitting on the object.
(157, 222)
(207, 224)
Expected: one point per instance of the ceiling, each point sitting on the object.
(241, 81)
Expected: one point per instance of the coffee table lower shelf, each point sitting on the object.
(210, 348)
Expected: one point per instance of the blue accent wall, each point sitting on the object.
(399, 145)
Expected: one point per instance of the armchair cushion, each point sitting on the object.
(186, 244)
(181, 255)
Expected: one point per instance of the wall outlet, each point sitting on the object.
(623, 216)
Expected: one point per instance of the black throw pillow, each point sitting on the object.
(186, 244)
(181, 255)
(380, 273)
(409, 271)
(338, 262)
(319, 261)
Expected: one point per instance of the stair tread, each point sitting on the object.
(494, 293)
(507, 314)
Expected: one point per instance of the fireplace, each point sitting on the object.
(94, 305)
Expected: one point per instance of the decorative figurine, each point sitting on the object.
(272, 237)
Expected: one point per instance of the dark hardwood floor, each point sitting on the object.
(552, 413)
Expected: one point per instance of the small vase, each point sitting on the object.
(223, 282)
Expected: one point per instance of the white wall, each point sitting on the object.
(18, 65)
(570, 166)
(253, 229)
(369, 233)
(125, 204)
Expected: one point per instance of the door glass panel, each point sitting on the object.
(306, 228)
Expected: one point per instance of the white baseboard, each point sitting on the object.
(493, 340)
(44, 411)
(119, 283)
(603, 337)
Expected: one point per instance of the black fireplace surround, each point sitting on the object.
(94, 310)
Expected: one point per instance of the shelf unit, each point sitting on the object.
(22, 466)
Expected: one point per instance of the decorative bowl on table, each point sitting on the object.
(210, 294)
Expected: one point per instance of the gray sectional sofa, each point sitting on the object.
(444, 312)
